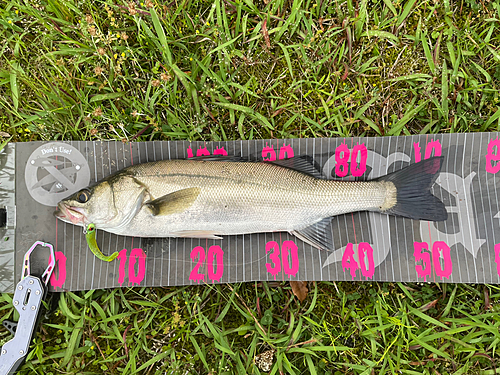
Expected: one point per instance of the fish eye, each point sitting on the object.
(83, 196)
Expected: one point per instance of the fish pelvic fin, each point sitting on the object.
(413, 197)
(318, 234)
(173, 203)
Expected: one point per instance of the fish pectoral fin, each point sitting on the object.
(173, 203)
(318, 235)
(196, 234)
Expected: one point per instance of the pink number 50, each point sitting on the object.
(439, 250)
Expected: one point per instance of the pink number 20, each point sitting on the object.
(216, 254)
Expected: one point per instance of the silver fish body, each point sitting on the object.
(209, 199)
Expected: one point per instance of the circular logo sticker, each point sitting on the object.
(54, 171)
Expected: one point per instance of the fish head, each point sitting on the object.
(109, 204)
(93, 204)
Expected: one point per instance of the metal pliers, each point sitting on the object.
(28, 296)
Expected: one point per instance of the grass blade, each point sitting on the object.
(444, 92)
(398, 126)
(14, 89)
(161, 36)
(100, 97)
(426, 317)
(75, 338)
(200, 353)
(381, 34)
(156, 358)
(428, 55)
(248, 111)
(287, 58)
(412, 77)
(289, 21)
(389, 5)
(4, 143)
(491, 120)
(406, 11)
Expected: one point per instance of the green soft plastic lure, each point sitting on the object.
(91, 241)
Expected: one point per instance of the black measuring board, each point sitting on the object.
(367, 245)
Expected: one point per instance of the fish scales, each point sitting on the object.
(240, 198)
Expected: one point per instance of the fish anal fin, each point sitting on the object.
(318, 235)
(196, 234)
(173, 203)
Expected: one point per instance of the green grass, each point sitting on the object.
(344, 328)
(203, 70)
(199, 70)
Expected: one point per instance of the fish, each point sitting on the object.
(212, 197)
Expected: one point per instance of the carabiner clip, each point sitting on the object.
(50, 268)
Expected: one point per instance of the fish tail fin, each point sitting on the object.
(414, 199)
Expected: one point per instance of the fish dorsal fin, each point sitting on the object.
(302, 164)
(173, 203)
(318, 235)
(226, 158)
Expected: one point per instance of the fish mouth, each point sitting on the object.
(69, 214)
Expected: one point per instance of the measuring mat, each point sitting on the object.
(368, 246)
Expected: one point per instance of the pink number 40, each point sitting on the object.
(364, 251)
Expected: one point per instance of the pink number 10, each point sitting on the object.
(136, 256)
